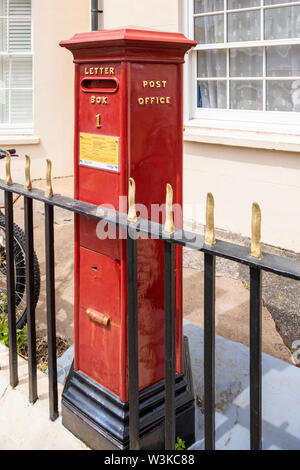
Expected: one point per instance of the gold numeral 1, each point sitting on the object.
(98, 117)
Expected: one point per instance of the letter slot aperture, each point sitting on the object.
(99, 85)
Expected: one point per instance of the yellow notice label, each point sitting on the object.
(99, 151)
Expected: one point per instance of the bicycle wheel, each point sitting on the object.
(20, 273)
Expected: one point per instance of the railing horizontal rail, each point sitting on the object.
(282, 266)
(272, 263)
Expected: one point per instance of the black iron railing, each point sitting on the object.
(275, 264)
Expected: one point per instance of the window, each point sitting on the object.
(16, 87)
(247, 57)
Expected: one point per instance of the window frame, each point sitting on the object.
(243, 120)
(11, 128)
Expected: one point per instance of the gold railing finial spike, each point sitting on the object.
(256, 251)
(49, 190)
(28, 184)
(132, 217)
(8, 179)
(209, 236)
(169, 223)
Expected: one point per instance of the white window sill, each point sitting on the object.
(26, 139)
(199, 131)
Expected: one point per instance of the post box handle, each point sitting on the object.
(100, 85)
(98, 317)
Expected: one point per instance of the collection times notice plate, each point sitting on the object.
(99, 151)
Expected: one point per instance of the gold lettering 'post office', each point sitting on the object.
(154, 83)
(152, 100)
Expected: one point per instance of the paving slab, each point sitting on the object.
(24, 426)
(64, 363)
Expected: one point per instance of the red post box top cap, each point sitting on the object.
(128, 42)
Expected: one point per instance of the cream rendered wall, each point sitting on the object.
(239, 176)
(53, 87)
(162, 15)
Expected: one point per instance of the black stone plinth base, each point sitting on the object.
(101, 420)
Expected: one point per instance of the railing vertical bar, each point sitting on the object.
(133, 370)
(30, 304)
(255, 359)
(51, 323)
(11, 290)
(209, 350)
(169, 275)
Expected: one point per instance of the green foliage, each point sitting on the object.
(180, 444)
(22, 336)
(3, 330)
(3, 322)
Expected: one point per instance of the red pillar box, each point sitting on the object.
(128, 123)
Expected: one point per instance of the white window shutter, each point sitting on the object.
(19, 8)
(16, 83)
(21, 95)
(19, 37)
(21, 106)
(19, 26)
(21, 71)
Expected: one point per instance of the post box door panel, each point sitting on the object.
(151, 313)
(99, 318)
(99, 99)
(156, 156)
(95, 185)
(91, 230)
(155, 160)
(99, 133)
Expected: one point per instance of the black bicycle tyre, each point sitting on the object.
(19, 237)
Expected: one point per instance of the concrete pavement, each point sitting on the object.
(24, 426)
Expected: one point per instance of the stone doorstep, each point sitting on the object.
(280, 396)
